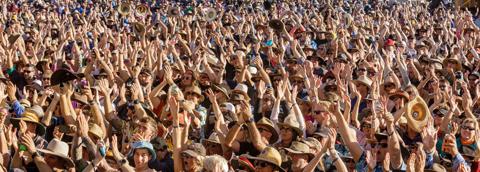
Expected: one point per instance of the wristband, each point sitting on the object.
(35, 154)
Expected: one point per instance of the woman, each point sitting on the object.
(289, 132)
(141, 154)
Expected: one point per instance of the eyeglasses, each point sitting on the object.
(261, 164)
(263, 129)
(366, 126)
(468, 128)
(318, 112)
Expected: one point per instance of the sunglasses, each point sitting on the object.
(318, 112)
(261, 164)
(366, 126)
(362, 70)
(468, 128)
(46, 79)
(263, 129)
(348, 160)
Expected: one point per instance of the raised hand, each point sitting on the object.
(116, 154)
(211, 95)
(28, 142)
(104, 87)
(82, 125)
(11, 91)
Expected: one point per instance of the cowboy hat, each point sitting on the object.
(363, 80)
(221, 89)
(196, 90)
(64, 75)
(398, 94)
(299, 148)
(31, 115)
(417, 114)
(265, 122)
(270, 155)
(291, 122)
(276, 25)
(138, 28)
(173, 11)
(454, 60)
(195, 150)
(213, 138)
(59, 149)
(241, 89)
(95, 130)
(12, 39)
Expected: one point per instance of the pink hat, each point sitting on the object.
(390, 42)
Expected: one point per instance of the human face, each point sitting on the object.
(213, 148)
(382, 147)
(192, 96)
(187, 79)
(189, 162)
(29, 73)
(53, 161)
(286, 133)
(261, 166)
(299, 161)
(141, 158)
(144, 78)
(320, 113)
(162, 152)
(31, 127)
(264, 132)
(468, 130)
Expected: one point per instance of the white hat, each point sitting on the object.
(230, 107)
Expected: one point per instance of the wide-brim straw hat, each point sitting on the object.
(291, 122)
(59, 149)
(363, 80)
(300, 148)
(196, 90)
(270, 155)
(30, 116)
(265, 122)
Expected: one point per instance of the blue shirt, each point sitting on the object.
(18, 109)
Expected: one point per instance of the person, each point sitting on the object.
(239, 85)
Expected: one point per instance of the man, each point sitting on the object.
(164, 161)
(300, 156)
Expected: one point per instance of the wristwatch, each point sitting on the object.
(122, 161)
(35, 154)
(249, 120)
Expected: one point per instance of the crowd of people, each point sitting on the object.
(217, 86)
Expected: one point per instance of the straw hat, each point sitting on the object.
(241, 89)
(59, 149)
(95, 130)
(213, 138)
(268, 124)
(399, 93)
(31, 115)
(363, 80)
(270, 155)
(195, 150)
(454, 60)
(300, 148)
(291, 122)
(196, 90)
